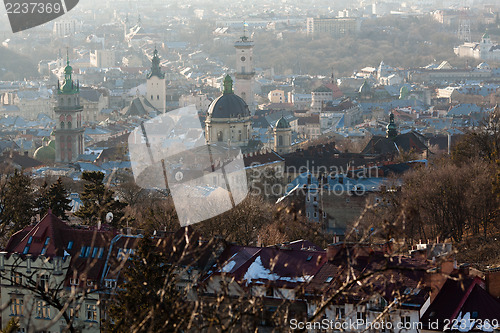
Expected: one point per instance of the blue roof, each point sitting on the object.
(464, 110)
(89, 167)
(301, 180)
(116, 165)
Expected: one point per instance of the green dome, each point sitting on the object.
(68, 69)
(282, 123)
(486, 35)
(45, 154)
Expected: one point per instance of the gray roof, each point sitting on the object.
(90, 94)
(228, 105)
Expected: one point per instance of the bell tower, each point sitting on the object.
(244, 76)
(157, 85)
(68, 113)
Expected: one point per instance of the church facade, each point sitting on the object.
(228, 118)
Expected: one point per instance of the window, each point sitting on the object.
(45, 245)
(406, 321)
(94, 252)
(269, 292)
(70, 245)
(91, 312)
(339, 313)
(44, 281)
(74, 281)
(82, 251)
(73, 312)
(16, 278)
(110, 283)
(42, 309)
(361, 316)
(17, 306)
(87, 251)
(101, 252)
(329, 279)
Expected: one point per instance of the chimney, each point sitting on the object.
(28, 263)
(493, 282)
(332, 250)
(464, 270)
(2, 260)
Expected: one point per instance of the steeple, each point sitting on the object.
(244, 38)
(391, 131)
(155, 66)
(228, 85)
(68, 86)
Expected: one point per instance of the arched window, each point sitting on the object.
(220, 137)
(69, 124)
(280, 140)
(62, 124)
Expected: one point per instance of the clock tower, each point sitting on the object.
(244, 76)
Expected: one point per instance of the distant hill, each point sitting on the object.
(14, 66)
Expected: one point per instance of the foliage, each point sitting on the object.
(149, 300)
(482, 142)
(55, 198)
(98, 201)
(12, 326)
(16, 203)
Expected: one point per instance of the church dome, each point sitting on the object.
(228, 105)
(282, 123)
(45, 154)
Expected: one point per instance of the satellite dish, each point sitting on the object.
(109, 217)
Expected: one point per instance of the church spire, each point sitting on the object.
(155, 66)
(68, 86)
(228, 85)
(392, 130)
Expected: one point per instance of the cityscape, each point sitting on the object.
(246, 166)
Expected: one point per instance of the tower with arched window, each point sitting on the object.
(244, 76)
(282, 136)
(156, 85)
(68, 113)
